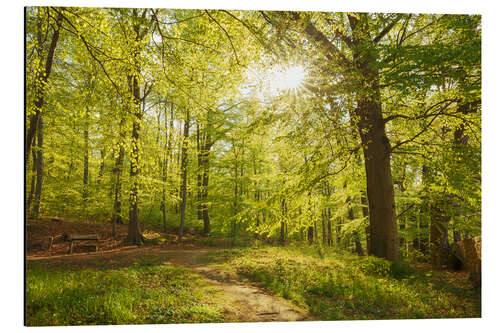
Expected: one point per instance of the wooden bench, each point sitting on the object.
(78, 238)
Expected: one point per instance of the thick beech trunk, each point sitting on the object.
(376, 146)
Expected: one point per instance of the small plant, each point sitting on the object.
(401, 269)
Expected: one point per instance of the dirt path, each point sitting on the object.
(248, 302)
(252, 303)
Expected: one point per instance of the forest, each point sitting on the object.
(329, 161)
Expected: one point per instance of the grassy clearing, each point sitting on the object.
(342, 286)
(145, 292)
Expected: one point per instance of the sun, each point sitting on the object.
(290, 78)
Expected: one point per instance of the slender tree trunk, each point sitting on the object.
(339, 229)
(357, 242)
(134, 228)
(199, 173)
(101, 166)
(168, 141)
(179, 153)
(117, 202)
(366, 214)
(40, 87)
(323, 226)
(283, 213)
(116, 217)
(39, 169)
(330, 239)
(85, 194)
(33, 180)
(235, 204)
(184, 162)
(206, 170)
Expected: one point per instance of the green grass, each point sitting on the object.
(342, 286)
(146, 292)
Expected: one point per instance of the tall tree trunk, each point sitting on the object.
(85, 193)
(376, 146)
(364, 210)
(199, 173)
(184, 162)
(235, 204)
(168, 141)
(134, 228)
(41, 85)
(134, 236)
(117, 202)
(39, 169)
(33, 180)
(179, 154)
(323, 226)
(101, 166)
(339, 229)
(283, 214)
(116, 217)
(357, 242)
(206, 170)
(206, 173)
(371, 127)
(330, 239)
(439, 244)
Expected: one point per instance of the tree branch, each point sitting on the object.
(228, 37)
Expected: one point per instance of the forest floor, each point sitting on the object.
(207, 280)
(239, 299)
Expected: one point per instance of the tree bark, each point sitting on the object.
(364, 210)
(134, 236)
(376, 146)
(39, 169)
(116, 217)
(41, 83)
(85, 193)
(184, 162)
(330, 239)
(323, 226)
(33, 180)
(101, 166)
(283, 214)
(357, 242)
(371, 127)
(168, 141)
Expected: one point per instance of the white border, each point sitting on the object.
(11, 164)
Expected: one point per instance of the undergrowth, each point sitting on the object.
(343, 286)
(143, 293)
